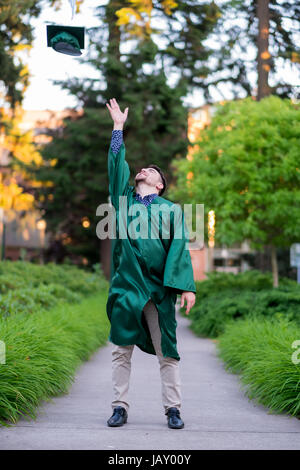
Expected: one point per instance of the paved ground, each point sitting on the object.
(217, 414)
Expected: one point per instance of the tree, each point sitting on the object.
(137, 15)
(256, 37)
(247, 169)
(186, 26)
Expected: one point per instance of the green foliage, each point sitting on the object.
(27, 288)
(44, 350)
(226, 297)
(220, 281)
(210, 316)
(33, 299)
(247, 169)
(260, 350)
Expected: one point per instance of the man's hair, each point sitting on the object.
(162, 177)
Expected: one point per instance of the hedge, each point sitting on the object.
(27, 287)
(224, 297)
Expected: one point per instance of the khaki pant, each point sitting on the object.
(169, 367)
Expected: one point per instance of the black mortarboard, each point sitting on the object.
(65, 39)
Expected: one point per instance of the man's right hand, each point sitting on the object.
(190, 299)
(117, 116)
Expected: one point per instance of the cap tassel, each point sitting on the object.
(73, 4)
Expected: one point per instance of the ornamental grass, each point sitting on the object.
(264, 353)
(44, 350)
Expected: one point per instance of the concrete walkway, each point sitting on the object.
(216, 413)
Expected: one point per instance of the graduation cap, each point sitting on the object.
(66, 39)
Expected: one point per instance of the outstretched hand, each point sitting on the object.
(116, 114)
(190, 300)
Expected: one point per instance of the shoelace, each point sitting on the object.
(174, 412)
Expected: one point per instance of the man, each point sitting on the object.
(147, 274)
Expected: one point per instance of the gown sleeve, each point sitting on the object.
(118, 169)
(178, 271)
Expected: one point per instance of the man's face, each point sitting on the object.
(150, 176)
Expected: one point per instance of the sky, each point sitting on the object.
(46, 65)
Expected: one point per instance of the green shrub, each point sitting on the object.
(210, 316)
(236, 296)
(260, 350)
(218, 281)
(24, 273)
(10, 281)
(26, 287)
(33, 299)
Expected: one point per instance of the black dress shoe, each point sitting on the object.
(119, 417)
(174, 420)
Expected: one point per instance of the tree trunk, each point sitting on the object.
(113, 64)
(274, 266)
(263, 55)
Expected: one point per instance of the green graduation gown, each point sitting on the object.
(157, 268)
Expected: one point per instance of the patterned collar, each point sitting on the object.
(146, 199)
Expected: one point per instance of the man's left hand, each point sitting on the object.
(190, 298)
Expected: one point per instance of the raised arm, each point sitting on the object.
(118, 170)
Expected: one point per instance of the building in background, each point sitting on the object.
(23, 233)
